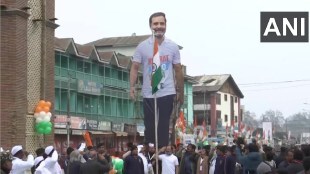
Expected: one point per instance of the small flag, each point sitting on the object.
(157, 73)
(204, 128)
(195, 121)
(182, 119)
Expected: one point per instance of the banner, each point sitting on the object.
(267, 131)
(92, 124)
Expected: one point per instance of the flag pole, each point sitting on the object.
(156, 120)
(156, 134)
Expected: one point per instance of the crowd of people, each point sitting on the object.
(239, 158)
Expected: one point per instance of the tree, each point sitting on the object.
(249, 119)
(298, 123)
(276, 118)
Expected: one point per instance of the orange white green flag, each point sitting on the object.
(157, 75)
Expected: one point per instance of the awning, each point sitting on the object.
(101, 132)
(141, 134)
(60, 131)
(119, 134)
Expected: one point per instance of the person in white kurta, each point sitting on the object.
(20, 166)
(141, 152)
(51, 162)
(170, 163)
(40, 166)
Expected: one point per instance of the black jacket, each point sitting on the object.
(93, 167)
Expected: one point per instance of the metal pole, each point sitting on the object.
(205, 107)
(156, 136)
(68, 112)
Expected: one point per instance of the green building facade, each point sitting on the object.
(98, 80)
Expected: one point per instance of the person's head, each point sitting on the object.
(151, 148)
(69, 150)
(157, 23)
(283, 149)
(269, 156)
(298, 155)
(253, 147)
(17, 151)
(117, 154)
(92, 154)
(174, 148)
(168, 150)
(6, 162)
(101, 148)
(191, 148)
(306, 164)
(49, 150)
(231, 150)
(306, 150)
(75, 156)
(129, 145)
(180, 146)
(289, 156)
(141, 149)
(134, 150)
(220, 150)
(40, 151)
(204, 151)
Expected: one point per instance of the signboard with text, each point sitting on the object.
(104, 125)
(89, 87)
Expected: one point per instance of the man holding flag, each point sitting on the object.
(160, 58)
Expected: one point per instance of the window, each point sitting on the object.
(57, 99)
(218, 118)
(87, 67)
(72, 63)
(120, 75)
(57, 60)
(63, 99)
(100, 105)
(225, 97)
(218, 99)
(236, 99)
(101, 70)
(94, 69)
(125, 76)
(80, 66)
(226, 118)
(236, 119)
(80, 101)
(107, 105)
(64, 62)
(87, 103)
(107, 72)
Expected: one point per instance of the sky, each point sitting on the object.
(218, 37)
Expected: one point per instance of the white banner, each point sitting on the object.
(267, 131)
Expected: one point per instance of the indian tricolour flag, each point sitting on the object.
(157, 74)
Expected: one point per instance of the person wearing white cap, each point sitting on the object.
(40, 166)
(51, 162)
(141, 153)
(18, 165)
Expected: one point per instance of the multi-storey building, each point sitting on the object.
(26, 72)
(217, 102)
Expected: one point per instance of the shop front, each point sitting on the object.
(78, 125)
(121, 138)
(100, 131)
